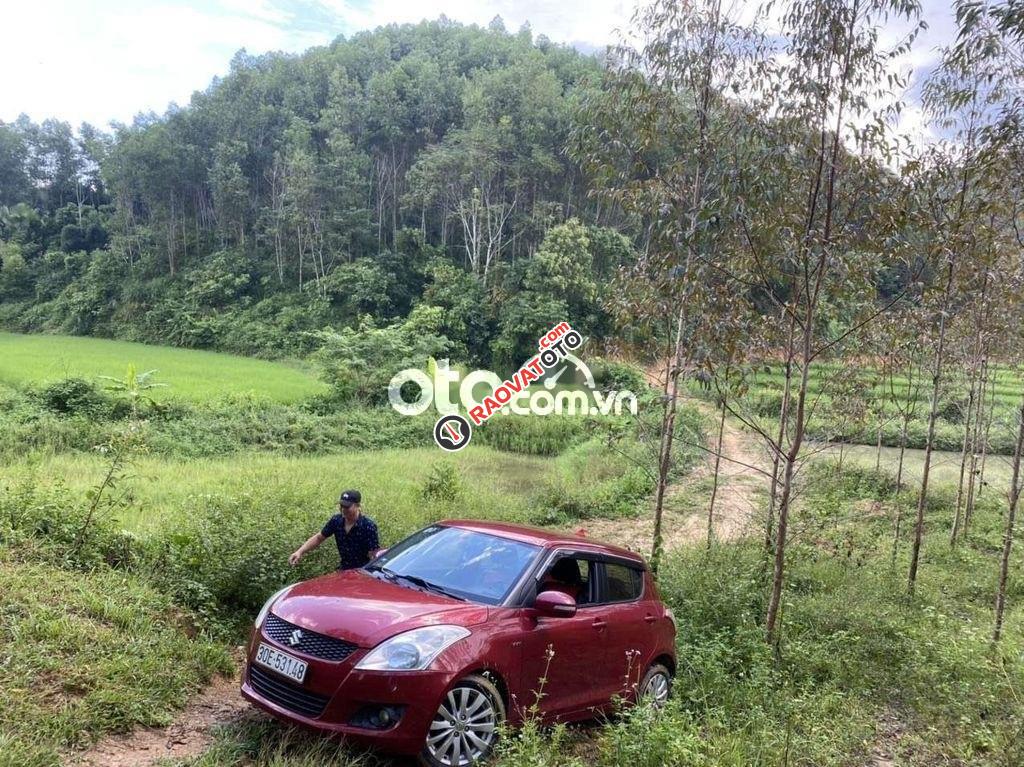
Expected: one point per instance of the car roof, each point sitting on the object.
(541, 537)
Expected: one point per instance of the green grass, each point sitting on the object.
(190, 374)
(89, 653)
(164, 492)
(945, 466)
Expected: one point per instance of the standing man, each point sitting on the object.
(355, 534)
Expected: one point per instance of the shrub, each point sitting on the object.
(443, 484)
(73, 396)
(619, 376)
(534, 435)
(359, 363)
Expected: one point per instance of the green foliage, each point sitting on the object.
(359, 363)
(830, 419)
(15, 277)
(646, 736)
(443, 484)
(610, 475)
(134, 389)
(73, 396)
(618, 376)
(362, 171)
(264, 742)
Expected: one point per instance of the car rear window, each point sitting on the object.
(623, 583)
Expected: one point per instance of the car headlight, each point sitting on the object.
(266, 605)
(412, 650)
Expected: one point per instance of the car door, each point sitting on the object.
(564, 658)
(630, 620)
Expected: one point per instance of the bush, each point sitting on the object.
(534, 435)
(359, 364)
(443, 484)
(74, 396)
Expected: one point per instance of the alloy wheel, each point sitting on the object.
(657, 688)
(464, 728)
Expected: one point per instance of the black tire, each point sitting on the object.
(656, 684)
(469, 713)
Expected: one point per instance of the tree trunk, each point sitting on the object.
(903, 451)
(714, 485)
(988, 435)
(668, 422)
(791, 455)
(972, 474)
(968, 422)
(878, 449)
(1013, 499)
(769, 540)
(940, 349)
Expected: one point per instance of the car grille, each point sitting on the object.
(310, 642)
(287, 695)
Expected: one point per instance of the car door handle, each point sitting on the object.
(650, 618)
(599, 624)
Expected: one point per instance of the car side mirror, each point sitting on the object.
(555, 604)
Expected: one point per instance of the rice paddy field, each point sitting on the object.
(190, 374)
(830, 380)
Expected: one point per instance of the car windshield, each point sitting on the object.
(462, 563)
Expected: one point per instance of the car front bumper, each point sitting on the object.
(348, 692)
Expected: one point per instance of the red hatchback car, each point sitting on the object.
(428, 648)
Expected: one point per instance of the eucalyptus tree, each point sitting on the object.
(828, 216)
(657, 139)
(967, 97)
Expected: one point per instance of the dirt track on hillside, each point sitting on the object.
(741, 478)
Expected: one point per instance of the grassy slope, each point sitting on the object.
(191, 374)
(88, 653)
(166, 490)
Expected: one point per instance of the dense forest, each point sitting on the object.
(414, 165)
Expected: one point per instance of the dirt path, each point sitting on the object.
(685, 518)
(189, 735)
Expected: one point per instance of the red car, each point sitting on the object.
(428, 648)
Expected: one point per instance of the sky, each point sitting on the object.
(108, 60)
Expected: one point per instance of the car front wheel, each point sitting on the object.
(465, 727)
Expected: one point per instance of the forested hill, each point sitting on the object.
(412, 168)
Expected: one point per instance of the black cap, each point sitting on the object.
(349, 497)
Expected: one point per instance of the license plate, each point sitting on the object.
(281, 662)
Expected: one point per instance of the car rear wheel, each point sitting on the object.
(656, 685)
(465, 727)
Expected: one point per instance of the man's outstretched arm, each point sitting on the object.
(314, 541)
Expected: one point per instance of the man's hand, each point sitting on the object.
(314, 541)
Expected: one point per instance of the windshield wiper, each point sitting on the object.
(388, 574)
(425, 584)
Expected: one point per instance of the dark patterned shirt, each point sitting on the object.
(355, 546)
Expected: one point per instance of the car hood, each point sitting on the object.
(357, 607)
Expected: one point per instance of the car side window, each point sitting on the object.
(570, 575)
(622, 583)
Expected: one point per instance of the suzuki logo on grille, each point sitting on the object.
(295, 637)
